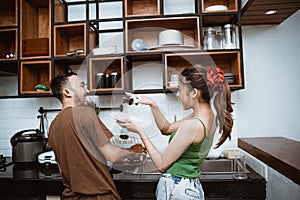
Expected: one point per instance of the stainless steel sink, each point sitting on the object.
(210, 169)
(216, 166)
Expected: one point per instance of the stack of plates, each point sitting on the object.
(229, 78)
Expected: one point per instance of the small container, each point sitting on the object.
(101, 80)
(239, 167)
(229, 36)
(107, 81)
(114, 77)
(209, 38)
(219, 40)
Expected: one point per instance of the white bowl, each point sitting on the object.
(170, 37)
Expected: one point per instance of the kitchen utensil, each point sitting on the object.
(26, 145)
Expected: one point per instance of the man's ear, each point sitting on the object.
(66, 92)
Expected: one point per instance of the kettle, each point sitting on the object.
(26, 145)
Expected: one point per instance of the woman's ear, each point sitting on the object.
(195, 93)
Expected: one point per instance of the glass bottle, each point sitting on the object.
(209, 38)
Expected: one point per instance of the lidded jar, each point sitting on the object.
(101, 80)
(229, 36)
(209, 38)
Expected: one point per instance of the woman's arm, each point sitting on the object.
(184, 137)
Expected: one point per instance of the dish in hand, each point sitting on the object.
(123, 117)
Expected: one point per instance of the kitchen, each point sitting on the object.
(265, 108)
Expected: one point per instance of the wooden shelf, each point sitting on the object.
(145, 72)
(71, 37)
(59, 11)
(33, 73)
(8, 13)
(35, 28)
(229, 62)
(8, 43)
(142, 8)
(107, 66)
(148, 30)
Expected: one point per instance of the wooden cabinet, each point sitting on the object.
(51, 36)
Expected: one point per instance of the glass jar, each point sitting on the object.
(100, 80)
(229, 36)
(209, 38)
(219, 39)
(114, 79)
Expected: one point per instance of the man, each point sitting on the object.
(81, 144)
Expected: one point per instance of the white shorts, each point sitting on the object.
(176, 188)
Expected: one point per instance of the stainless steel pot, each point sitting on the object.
(26, 145)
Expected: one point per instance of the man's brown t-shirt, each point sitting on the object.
(75, 136)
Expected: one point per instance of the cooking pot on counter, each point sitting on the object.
(26, 145)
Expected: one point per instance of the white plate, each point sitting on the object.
(120, 116)
(216, 8)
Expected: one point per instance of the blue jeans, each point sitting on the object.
(175, 188)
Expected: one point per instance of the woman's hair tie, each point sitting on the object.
(215, 79)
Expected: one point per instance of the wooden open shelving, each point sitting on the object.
(107, 66)
(229, 62)
(8, 44)
(148, 30)
(72, 37)
(8, 13)
(142, 7)
(33, 73)
(40, 41)
(35, 28)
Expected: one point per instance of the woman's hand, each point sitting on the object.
(131, 125)
(146, 100)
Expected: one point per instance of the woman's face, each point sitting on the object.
(184, 96)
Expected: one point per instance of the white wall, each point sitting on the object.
(269, 106)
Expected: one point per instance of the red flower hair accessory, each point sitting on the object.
(215, 79)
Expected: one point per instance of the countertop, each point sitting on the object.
(282, 154)
(35, 180)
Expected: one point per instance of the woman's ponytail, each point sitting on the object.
(224, 121)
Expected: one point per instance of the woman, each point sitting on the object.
(190, 138)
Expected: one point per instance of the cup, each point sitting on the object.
(239, 167)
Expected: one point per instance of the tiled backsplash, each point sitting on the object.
(21, 113)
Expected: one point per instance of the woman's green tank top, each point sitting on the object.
(188, 165)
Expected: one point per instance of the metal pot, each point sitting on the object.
(26, 145)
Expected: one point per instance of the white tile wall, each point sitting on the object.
(21, 113)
